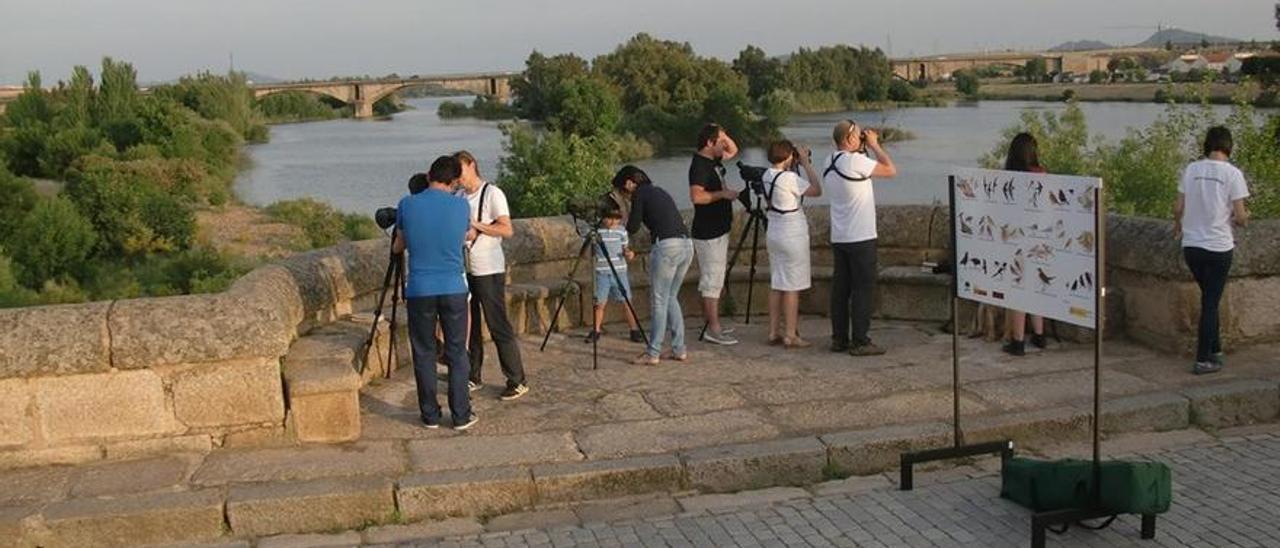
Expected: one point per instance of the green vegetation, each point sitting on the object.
(1141, 170)
(967, 82)
(322, 225)
(483, 107)
(299, 106)
(542, 173)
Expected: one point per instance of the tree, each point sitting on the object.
(584, 106)
(543, 173)
(52, 241)
(1204, 43)
(901, 91)
(764, 74)
(533, 89)
(1036, 70)
(19, 198)
(1098, 77)
(966, 82)
(1168, 45)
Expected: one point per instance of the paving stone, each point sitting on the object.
(391, 534)
(572, 481)
(127, 477)
(863, 452)
(50, 456)
(136, 519)
(691, 400)
(1056, 425)
(311, 506)
(228, 543)
(134, 449)
(1234, 403)
(673, 434)
(634, 507)
(528, 520)
(340, 540)
(796, 461)
(907, 407)
(483, 491)
(1056, 389)
(703, 503)
(300, 463)
(853, 485)
(13, 525)
(34, 485)
(459, 452)
(1159, 412)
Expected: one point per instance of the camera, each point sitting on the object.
(592, 209)
(385, 217)
(754, 177)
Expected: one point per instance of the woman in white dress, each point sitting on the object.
(788, 238)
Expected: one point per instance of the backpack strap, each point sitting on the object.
(484, 192)
(834, 158)
(768, 196)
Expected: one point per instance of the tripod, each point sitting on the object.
(592, 236)
(755, 218)
(393, 280)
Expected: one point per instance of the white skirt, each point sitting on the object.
(788, 240)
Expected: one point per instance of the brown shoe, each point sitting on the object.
(797, 342)
(645, 359)
(866, 349)
(776, 341)
(676, 357)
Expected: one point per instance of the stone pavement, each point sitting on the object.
(733, 418)
(1226, 493)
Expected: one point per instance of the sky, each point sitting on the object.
(321, 38)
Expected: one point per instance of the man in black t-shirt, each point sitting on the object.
(712, 220)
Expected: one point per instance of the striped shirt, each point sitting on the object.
(614, 239)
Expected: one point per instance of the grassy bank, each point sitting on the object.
(1216, 93)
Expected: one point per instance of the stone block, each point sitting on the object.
(1234, 403)
(348, 539)
(1159, 412)
(325, 418)
(855, 485)
(54, 340)
(481, 492)
(419, 532)
(572, 481)
(312, 506)
(906, 293)
(459, 452)
(675, 433)
(761, 497)
(627, 508)
(153, 332)
(194, 443)
(67, 454)
(229, 393)
(138, 519)
(104, 405)
(537, 519)
(34, 486)
(15, 527)
(382, 458)
(129, 477)
(1057, 424)
(16, 422)
(797, 461)
(865, 452)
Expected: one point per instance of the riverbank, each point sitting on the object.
(1147, 92)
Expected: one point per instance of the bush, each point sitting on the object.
(1068, 95)
(483, 107)
(543, 173)
(966, 82)
(296, 106)
(586, 107)
(323, 225)
(52, 241)
(131, 212)
(901, 91)
(1063, 140)
(19, 197)
(1099, 77)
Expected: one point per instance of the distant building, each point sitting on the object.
(1217, 61)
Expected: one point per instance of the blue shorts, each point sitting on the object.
(607, 289)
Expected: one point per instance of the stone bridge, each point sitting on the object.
(939, 67)
(362, 94)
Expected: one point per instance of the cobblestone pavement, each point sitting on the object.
(1226, 493)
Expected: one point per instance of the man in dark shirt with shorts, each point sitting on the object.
(712, 221)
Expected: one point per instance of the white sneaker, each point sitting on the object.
(719, 338)
(473, 386)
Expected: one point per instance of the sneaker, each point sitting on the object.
(681, 357)
(431, 424)
(513, 392)
(1039, 341)
(646, 359)
(1218, 358)
(725, 330)
(719, 338)
(1204, 368)
(637, 336)
(472, 386)
(866, 349)
(593, 336)
(1016, 348)
(839, 347)
(468, 423)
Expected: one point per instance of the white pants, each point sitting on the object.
(713, 258)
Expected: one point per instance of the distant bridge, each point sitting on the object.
(939, 67)
(362, 94)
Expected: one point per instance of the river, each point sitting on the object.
(358, 166)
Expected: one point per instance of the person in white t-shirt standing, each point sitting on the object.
(1210, 199)
(847, 182)
(487, 278)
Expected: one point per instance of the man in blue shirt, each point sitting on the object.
(432, 226)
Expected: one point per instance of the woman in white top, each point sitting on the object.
(788, 238)
(1210, 199)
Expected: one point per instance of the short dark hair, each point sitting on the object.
(630, 173)
(708, 133)
(781, 151)
(1024, 153)
(418, 183)
(611, 210)
(1218, 140)
(446, 169)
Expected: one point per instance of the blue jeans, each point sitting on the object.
(451, 312)
(668, 262)
(606, 289)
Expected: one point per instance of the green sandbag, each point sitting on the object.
(1140, 487)
(1046, 485)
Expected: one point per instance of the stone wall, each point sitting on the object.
(124, 378)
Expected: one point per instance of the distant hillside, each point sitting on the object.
(259, 78)
(1182, 38)
(1081, 45)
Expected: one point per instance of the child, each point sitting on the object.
(614, 238)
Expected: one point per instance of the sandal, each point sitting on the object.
(645, 359)
(777, 341)
(797, 342)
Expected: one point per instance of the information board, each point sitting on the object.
(1028, 241)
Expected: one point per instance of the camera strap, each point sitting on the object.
(835, 158)
(768, 195)
(484, 193)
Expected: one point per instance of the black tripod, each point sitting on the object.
(592, 236)
(755, 219)
(393, 280)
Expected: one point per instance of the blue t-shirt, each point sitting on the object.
(434, 224)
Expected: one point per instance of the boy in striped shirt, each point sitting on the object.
(607, 288)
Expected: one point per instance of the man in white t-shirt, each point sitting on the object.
(1210, 198)
(487, 278)
(846, 181)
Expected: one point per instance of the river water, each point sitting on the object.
(358, 165)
